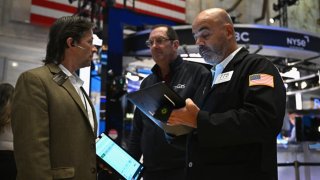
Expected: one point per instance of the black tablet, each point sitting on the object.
(157, 100)
(114, 156)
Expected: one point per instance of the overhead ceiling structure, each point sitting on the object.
(286, 48)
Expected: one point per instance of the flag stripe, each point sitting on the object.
(45, 16)
(49, 12)
(65, 2)
(45, 12)
(181, 3)
(165, 5)
(158, 11)
(54, 5)
(41, 20)
(168, 9)
(160, 15)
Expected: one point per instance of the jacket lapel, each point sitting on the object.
(61, 79)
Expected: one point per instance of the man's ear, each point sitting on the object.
(70, 42)
(176, 43)
(229, 30)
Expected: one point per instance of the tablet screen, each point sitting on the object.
(117, 158)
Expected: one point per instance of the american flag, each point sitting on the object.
(174, 10)
(45, 12)
(261, 79)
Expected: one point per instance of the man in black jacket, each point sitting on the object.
(241, 111)
(161, 160)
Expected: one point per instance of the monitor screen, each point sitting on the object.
(308, 128)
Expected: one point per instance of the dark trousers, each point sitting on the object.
(170, 174)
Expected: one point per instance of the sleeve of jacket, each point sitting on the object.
(30, 124)
(258, 118)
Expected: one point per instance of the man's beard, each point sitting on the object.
(210, 56)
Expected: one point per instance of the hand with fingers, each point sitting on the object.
(185, 116)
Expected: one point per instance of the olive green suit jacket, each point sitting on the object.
(53, 138)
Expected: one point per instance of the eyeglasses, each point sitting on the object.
(158, 41)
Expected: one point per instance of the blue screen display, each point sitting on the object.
(118, 158)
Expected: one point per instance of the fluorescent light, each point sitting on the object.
(14, 64)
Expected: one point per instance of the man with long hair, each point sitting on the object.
(54, 122)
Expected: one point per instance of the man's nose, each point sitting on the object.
(199, 41)
(94, 49)
(155, 44)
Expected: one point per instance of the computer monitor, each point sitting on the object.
(308, 128)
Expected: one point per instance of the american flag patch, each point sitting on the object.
(261, 79)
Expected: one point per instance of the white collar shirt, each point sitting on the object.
(77, 84)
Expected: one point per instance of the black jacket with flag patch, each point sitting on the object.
(238, 123)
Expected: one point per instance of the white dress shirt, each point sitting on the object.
(77, 84)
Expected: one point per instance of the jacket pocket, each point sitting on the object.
(62, 172)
